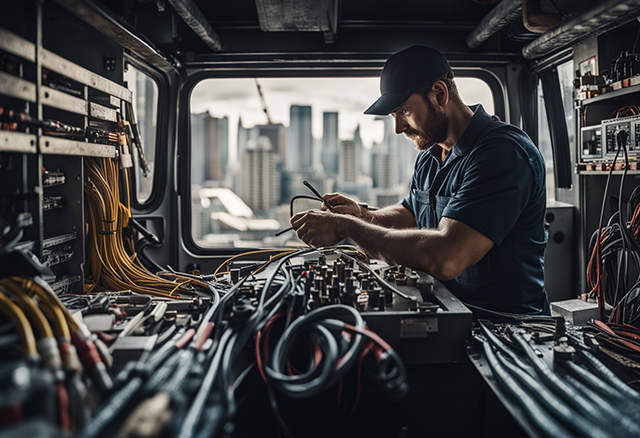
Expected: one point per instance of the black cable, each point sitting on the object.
(230, 345)
(540, 418)
(623, 227)
(149, 263)
(323, 376)
(595, 383)
(599, 261)
(378, 278)
(629, 425)
(497, 343)
(111, 409)
(188, 426)
(606, 374)
(575, 422)
(571, 396)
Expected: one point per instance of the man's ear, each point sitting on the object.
(441, 92)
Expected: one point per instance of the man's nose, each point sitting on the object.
(401, 124)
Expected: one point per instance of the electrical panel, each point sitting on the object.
(48, 127)
(611, 128)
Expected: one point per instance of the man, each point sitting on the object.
(474, 215)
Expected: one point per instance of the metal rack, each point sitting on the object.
(93, 98)
(592, 180)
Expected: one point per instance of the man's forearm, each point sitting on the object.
(392, 216)
(445, 252)
(408, 247)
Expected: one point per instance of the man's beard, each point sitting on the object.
(434, 131)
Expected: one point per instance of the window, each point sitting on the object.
(145, 109)
(544, 144)
(251, 155)
(565, 78)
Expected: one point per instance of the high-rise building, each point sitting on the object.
(299, 139)
(387, 171)
(146, 117)
(277, 134)
(223, 136)
(400, 147)
(243, 138)
(198, 144)
(348, 163)
(330, 143)
(260, 183)
(210, 148)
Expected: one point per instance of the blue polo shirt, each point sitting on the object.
(493, 180)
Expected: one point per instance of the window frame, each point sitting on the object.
(550, 66)
(354, 69)
(160, 176)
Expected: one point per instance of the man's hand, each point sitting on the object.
(319, 228)
(343, 205)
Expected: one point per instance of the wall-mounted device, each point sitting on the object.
(610, 130)
(591, 143)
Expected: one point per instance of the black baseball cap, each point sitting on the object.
(405, 72)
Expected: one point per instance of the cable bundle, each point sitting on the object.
(331, 357)
(187, 388)
(572, 400)
(615, 247)
(630, 110)
(49, 335)
(112, 268)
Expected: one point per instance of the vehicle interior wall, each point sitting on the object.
(145, 47)
(363, 43)
(366, 34)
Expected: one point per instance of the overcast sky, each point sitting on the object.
(350, 97)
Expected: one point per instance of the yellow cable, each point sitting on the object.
(35, 315)
(55, 315)
(34, 288)
(112, 267)
(272, 258)
(179, 284)
(262, 251)
(18, 318)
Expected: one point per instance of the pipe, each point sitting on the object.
(499, 17)
(583, 26)
(196, 20)
(117, 30)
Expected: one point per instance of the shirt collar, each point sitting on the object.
(478, 123)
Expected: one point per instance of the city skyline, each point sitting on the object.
(263, 165)
(237, 98)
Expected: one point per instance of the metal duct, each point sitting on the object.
(297, 15)
(583, 26)
(194, 18)
(118, 31)
(495, 20)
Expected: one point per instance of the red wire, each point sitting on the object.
(267, 329)
(317, 356)
(372, 335)
(258, 358)
(367, 348)
(599, 278)
(594, 259)
(63, 406)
